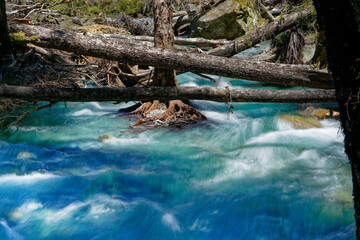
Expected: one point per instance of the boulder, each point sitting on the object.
(301, 122)
(321, 113)
(229, 20)
(104, 137)
(309, 49)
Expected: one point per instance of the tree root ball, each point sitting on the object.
(174, 113)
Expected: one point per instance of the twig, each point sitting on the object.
(31, 111)
(207, 77)
(87, 75)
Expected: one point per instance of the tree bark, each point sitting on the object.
(5, 45)
(264, 33)
(342, 39)
(199, 42)
(284, 74)
(134, 40)
(163, 38)
(164, 94)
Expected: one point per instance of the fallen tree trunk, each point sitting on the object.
(165, 94)
(200, 42)
(267, 32)
(284, 74)
(132, 39)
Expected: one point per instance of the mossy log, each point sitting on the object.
(283, 74)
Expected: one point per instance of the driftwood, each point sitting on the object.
(283, 74)
(164, 94)
(270, 30)
(200, 42)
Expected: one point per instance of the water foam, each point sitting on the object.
(66, 212)
(224, 117)
(91, 209)
(29, 207)
(26, 179)
(312, 137)
(87, 112)
(170, 221)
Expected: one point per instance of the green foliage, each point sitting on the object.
(248, 42)
(281, 17)
(107, 7)
(94, 10)
(130, 6)
(59, 7)
(281, 39)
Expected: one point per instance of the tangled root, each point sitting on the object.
(173, 114)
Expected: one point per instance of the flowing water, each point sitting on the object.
(241, 175)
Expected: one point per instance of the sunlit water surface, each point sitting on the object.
(241, 175)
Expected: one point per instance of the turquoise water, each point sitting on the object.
(241, 175)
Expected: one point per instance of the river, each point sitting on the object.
(245, 174)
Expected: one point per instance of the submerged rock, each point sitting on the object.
(25, 155)
(229, 20)
(105, 137)
(321, 113)
(301, 122)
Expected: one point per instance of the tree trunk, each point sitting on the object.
(342, 39)
(165, 94)
(163, 38)
(264, 33)
(284, 74)
(5, 46)
(175, 112)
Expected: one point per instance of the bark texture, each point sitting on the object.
(5, 46)
(163, 38)
(343, 51)
(200, 42)
(283, 74)
(165, 94)
(264, 33)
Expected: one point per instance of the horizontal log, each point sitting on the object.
(284, 74)
(165, 94)
(200, 42)
(132, 39)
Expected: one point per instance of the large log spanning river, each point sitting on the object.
(242, 175)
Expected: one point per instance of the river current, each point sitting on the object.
(244, 174)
